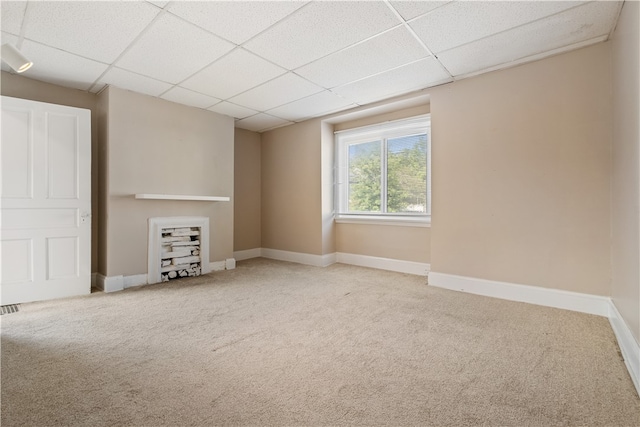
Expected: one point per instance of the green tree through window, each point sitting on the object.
(406, 175)
(384, 169)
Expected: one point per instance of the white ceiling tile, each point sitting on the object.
(135, 82)
(316, 105)
(261, 122)
(171, 50)
(97, 30)
(189, 97)
(234, 73)
(411, 9)
(60, 67)
(12, 13)
(279, 91)
(236, 21)
(544, 35)
(386, 51)
(419, 75)
(321, 28)
(458, 23)
(160, 4)
(232, 110)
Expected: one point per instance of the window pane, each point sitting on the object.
(407, 174)
(364, 177)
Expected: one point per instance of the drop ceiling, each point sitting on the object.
(272, 63)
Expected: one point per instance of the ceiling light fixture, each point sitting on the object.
(15, 59)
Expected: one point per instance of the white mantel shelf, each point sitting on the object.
(181, 197)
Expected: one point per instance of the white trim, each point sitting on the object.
(400, 266)
(157, 224)
(134, 280)
(94, 283)
(629, 347)
(585, 303)
(230, 263)
(100, 281)
(328, 259)
(181, 197)
(396, 221)
(298, 257)
(109, 284)
(217, 266)
(247, 254)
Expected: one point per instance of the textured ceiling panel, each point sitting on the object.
(234, 73)
(236, 21)
(135, 82)
(172, 50)
(411, 9)
(62, 68)
(291, 52)
(389, 50)
(319, 29)
(279, 91)
(261, 122)
(232, 110)
(188, 97)
(96, 30)
(315, 105)
(12, 13)
(458, 23)
(560, 30)
(420, 74)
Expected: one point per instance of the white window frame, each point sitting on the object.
(383, 131)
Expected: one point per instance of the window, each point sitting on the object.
(383, 171)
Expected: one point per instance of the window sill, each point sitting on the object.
(402, 221)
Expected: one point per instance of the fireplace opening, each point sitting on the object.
(180, 255)
(178, 247)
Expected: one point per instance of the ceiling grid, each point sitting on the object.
(273, 63)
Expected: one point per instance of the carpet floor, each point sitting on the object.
(276, 343)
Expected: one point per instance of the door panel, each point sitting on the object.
(46, 188)
(62, 161)
(17, 157)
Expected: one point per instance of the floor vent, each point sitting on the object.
(8, 309)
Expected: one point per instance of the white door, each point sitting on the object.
(45, 205)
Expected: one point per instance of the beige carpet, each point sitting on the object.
(275, 343)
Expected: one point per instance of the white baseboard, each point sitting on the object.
(94, 280)
(409, 267)
(135, 280)
(119, 283)
(299, 257)
(217, 265)
(629, 347)
(247, 254)
(326, 260)
(109, 284)
(585, 303)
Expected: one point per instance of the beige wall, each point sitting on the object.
(381, 118)
(247, 190)
(626, 167)
(385, 241)
(521, 174)
(156, 146)
(20, 86)
(292, 189)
